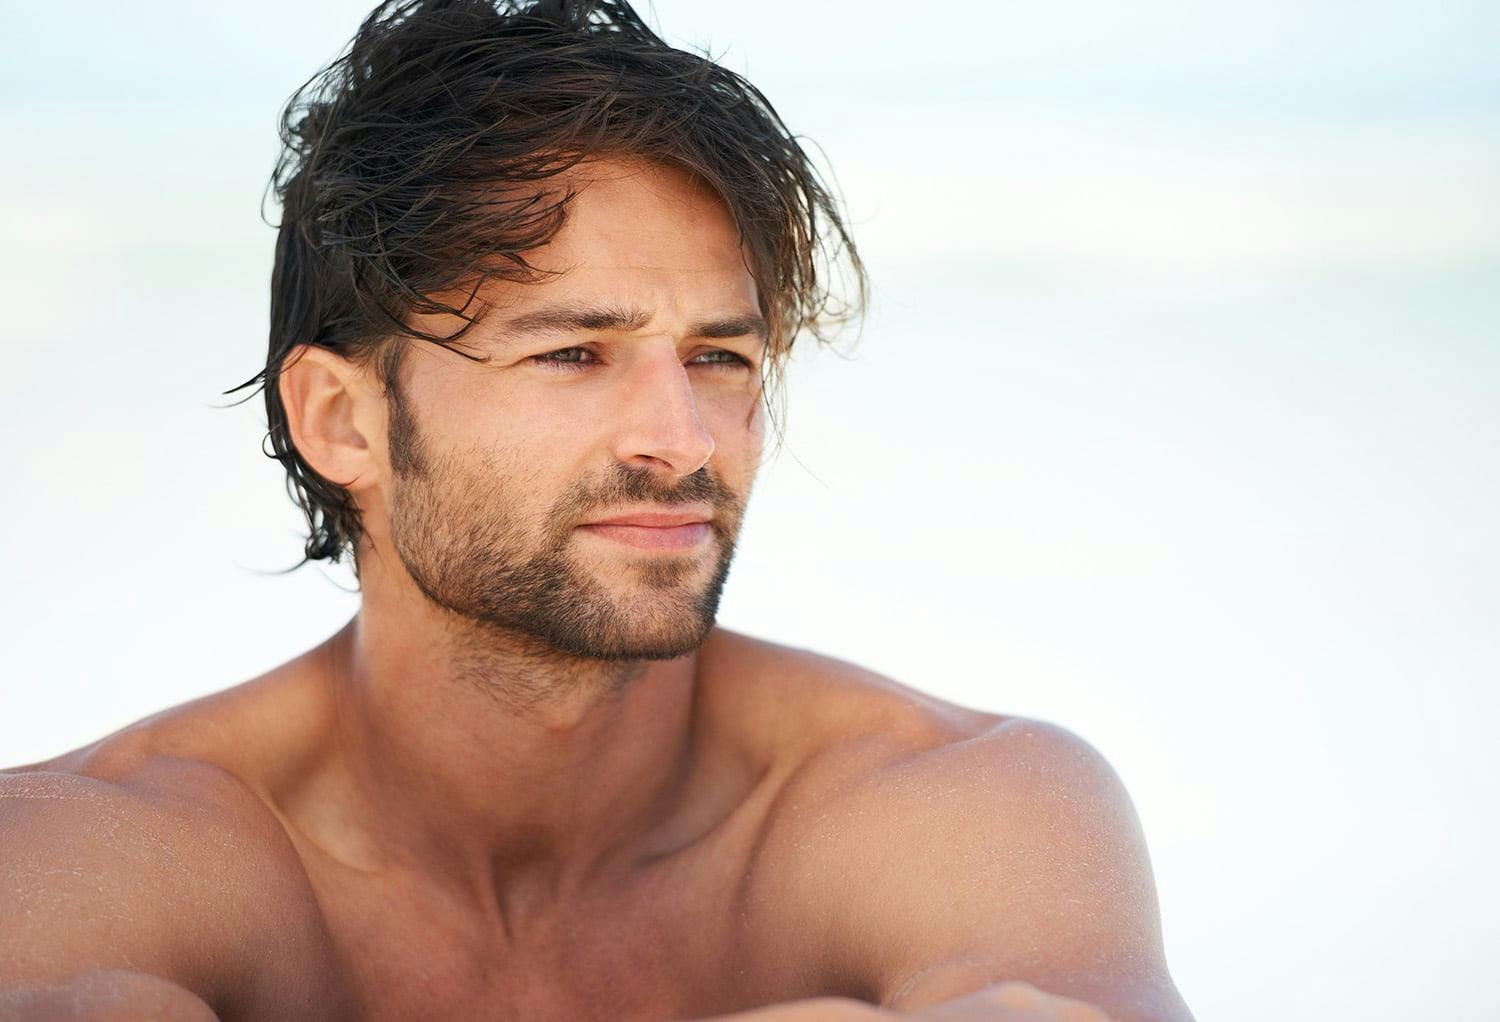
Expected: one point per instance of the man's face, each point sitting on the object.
(497, 468)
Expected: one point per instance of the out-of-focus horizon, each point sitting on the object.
(1174, 422)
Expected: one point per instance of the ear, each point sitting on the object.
(332, 411)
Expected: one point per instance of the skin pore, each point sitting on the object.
(514, 699)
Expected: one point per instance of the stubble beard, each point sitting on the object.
(473, 550)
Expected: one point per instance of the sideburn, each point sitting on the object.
(408, 458)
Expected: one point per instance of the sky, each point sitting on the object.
(1174, 422)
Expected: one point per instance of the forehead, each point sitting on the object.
(639, 233)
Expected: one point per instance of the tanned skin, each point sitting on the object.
(532, 779)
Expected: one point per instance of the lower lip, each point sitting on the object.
(648, 537)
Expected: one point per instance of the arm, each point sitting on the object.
(1004, 1002)
(1013, 855)
(817, 1009)
(155, 896)
(106, 995)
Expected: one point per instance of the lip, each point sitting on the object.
(687, 536)
(658, 519)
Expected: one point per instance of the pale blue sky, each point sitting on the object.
(1175, 422)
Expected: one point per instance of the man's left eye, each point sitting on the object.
(730, 358)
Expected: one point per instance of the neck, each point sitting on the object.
(476, 755)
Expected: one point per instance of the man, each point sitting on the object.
(535, 273)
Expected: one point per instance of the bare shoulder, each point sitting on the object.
(899, 803)
(841, 736)
(827, 709)
(1006, 846)
(1019, 775)
(118, 859)
(929, 795)
(859, 733)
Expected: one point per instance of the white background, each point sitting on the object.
(1175, 422)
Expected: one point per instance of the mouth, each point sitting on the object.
(690, 514)
(688, 535)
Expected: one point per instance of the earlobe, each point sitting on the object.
(324, 401)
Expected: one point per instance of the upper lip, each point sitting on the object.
(657, 519)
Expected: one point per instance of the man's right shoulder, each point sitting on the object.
(165, 866)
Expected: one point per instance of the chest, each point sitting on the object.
(678, 944)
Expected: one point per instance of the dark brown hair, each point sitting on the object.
(398, 174)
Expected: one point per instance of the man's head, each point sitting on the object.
(468, 179)
(627, 382)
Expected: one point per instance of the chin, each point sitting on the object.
(651, 608)
(656, 616)
(625, 639)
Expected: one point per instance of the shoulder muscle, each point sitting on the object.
(1012, 854)
(171, 872)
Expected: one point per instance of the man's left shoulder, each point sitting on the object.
(906, 773)
(960, 809)
(840, 719)
(977, 845)
(881, 763)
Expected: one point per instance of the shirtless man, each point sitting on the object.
(531, 779)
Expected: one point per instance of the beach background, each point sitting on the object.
(1175, 421)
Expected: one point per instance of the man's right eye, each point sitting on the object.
(561, 358)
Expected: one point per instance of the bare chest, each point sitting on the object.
(679, 944)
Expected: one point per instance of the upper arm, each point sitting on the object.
(125, 879)
(1012, 855)
(106, 994)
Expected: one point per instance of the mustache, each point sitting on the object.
(642, 486)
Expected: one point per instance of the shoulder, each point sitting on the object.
(120, 859)
(823, 708)
(979, 842)
(837, 730)
(968, 804)
(938, 785)
(844, 741)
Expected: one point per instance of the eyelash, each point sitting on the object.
(547, 359)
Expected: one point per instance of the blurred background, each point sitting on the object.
(1175, 422)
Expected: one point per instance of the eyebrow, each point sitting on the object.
(569, 317)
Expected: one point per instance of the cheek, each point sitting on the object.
(738, 430)
(738, 403)
(497, 454)
(757, 420)
(518, 425)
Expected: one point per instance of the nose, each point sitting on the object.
(659, 423)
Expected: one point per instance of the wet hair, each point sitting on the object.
(415, 166)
